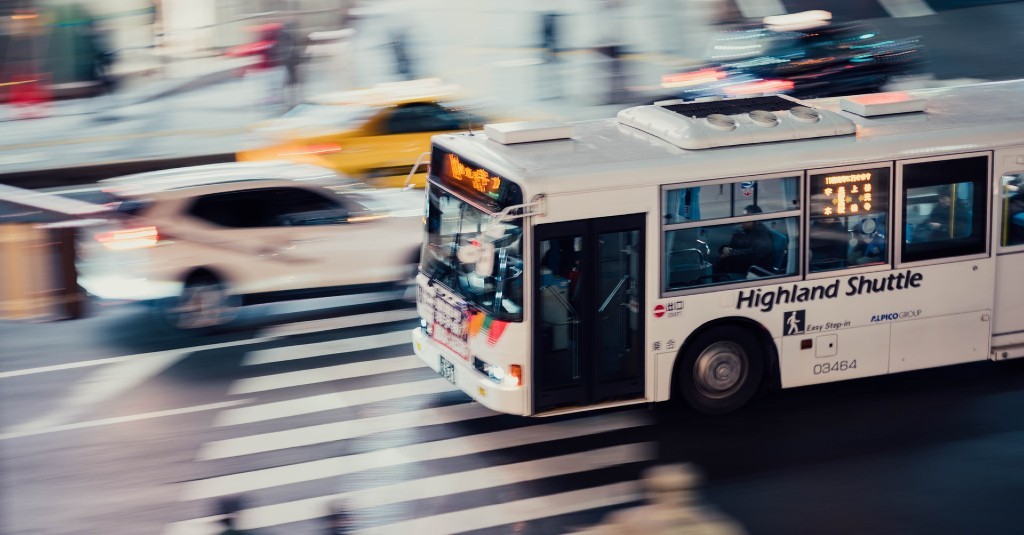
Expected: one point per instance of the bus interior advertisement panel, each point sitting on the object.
(474, 254)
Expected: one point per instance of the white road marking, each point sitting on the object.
(330, 347)
(490, 516)
(123, 419)
(444, 485)
(319, 434)
(326, 374)
(343, 322)
(137, 356)
(441, 449)
(906, 8)
(331, 401)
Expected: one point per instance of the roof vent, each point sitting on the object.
(805, 114)
(763, 118)
(882, 104)
(736, 121)
(721, 122)
(527, 131)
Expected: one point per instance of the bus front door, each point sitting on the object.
(588, 337)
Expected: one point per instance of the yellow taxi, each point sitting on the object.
(375, 135)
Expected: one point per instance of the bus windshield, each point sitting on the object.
(474, 254)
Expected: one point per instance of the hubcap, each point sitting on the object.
(202, 305)
(720, 370)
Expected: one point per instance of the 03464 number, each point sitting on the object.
(838, 366)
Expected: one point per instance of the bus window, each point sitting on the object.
(729, 252)
(1013, 209)
(944, 208)
(729, 232)
(849, 218)
(720, 201)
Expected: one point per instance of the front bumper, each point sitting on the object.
(497, 397)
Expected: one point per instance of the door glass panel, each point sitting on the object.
(560, 306)
(618, 324)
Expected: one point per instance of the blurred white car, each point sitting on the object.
(203, 241)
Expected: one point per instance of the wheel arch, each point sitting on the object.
(764, 340)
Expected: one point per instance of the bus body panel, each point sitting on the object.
(824, 327)
(1008, 315)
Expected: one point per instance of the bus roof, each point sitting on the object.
(601, 152)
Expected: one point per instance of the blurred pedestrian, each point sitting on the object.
(339, 520)
(292, 50)
(102, 55)
(673, 508)
(400, 48)
(228, 508)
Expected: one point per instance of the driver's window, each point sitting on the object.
(301, 207)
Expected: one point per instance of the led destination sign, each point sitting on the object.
(849, 192)
(472, 181)
(765, 300)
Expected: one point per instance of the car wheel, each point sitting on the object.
(204, 303)
(721, 370)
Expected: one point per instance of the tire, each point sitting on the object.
(720, 370)
(204, 304)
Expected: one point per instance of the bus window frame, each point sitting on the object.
(664, 228)
(890, 240)
(900, 202)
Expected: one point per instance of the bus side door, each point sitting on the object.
(588, 334)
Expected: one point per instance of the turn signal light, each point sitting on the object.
(132, 238)
(515, 375)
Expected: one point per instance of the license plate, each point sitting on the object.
(447, 370)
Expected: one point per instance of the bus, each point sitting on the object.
(702, 250)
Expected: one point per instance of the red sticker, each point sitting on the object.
(659, 311)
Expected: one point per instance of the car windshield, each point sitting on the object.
(474, 254)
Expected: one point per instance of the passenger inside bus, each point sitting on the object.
(946, 220)
(829, 244)
(868, 243)
(752, 245)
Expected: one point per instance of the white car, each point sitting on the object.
(203, 241)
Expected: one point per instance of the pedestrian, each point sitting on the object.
(228, 508)
(292, 50)
(339, 520)
(673, 508)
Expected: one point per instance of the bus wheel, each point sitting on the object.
(721, 370)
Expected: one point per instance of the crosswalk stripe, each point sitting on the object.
(343, 322)
(330, 347)
(331, 401)
(323, 433)
(490, 516)
(326, 374)
(429, 487)
(442, 449)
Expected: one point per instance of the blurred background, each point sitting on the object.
(131, 426)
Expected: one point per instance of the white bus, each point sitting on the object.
(702, 250)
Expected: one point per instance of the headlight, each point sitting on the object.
(511, 377)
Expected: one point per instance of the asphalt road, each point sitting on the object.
(112, 424)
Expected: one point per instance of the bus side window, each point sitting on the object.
(1013, 209)
(945, 218)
